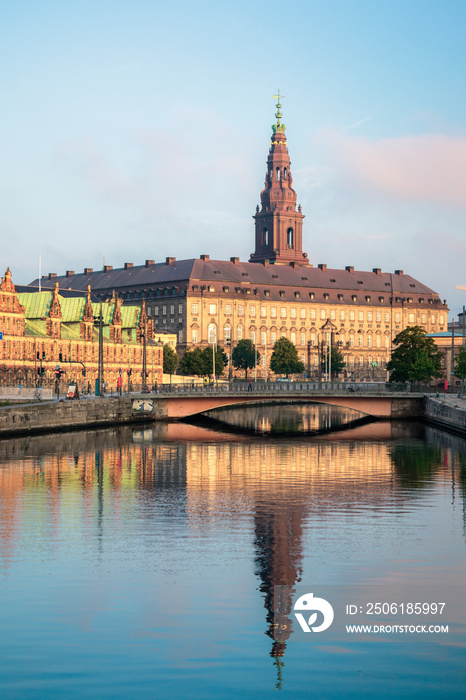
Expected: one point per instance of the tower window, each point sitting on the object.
(284, 173)
(278, 173)
(289, 237)
(266, 237)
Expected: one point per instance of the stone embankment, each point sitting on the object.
(57, 416)
(448, 413)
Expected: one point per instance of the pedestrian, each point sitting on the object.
(250, 385)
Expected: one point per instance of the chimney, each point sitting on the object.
(107, 268)
(88, 270)
(295, 264)
(322, 266)
(235, 261)
(128, 266)
(377, 270)
(349, 268)
(69, 273)
(150, 262)
(206, 258)
(169, 261)
(52, 275)
(265, 263)
(399, 272)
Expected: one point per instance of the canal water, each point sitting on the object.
(162, 562)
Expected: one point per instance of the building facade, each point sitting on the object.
(277, 293)
(42, 331)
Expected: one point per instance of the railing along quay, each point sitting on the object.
(280, 388)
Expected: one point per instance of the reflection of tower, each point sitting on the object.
(278, 542)
(279, 225)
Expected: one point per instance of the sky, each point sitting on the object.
(140, 130)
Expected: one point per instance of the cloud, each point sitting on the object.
(426, 168)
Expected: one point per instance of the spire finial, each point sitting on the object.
(278, 126)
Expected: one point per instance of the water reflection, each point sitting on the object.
(285, 505)
(291, 419)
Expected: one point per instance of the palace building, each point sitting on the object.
(277, 293)
(41, 331)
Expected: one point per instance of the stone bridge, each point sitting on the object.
(176, 403)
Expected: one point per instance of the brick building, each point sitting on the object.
(277, 293)
(41, 330)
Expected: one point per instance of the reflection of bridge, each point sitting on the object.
(185, 401)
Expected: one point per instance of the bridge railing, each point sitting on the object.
(281, 387)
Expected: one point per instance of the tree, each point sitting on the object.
(338, 363)
(192, 363)
(221, 360)
(243, 356)
(416, 358)
(285, 359)
(170, 359)
(460, 363)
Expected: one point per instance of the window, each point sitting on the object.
(273, 312)
(360, 340)
(316, 361)
(283, 312)
(180, 335)
(387, 341)
(332, 314)
(263, 338)
(302, 313)
(369, 341)
(239, 333)
(194, 335)
(293, 313)
(411, 318)
(440, 319)
(313, 339)
(180, 308)
(240, 310)
(289, 237)
(378, 316)
(342, 315)
(164, 310)
(303, 339)
(193, 309)
(361, 361)
(273, 337)
(387, 317)
(313, 313)
(378, 341)
(351, 315)
(252, 310)
(360, 316)
(263, 311)
(156, 310)
(423, 318)
(342, 338)
(432, 319)
(227, 309)
(227, 332)
(252, 336)
(293, 337)
(212, 309)
(397, 317)
(351, 341)
(172, 309)
(369, 315)
(212, 333)
(322, 314)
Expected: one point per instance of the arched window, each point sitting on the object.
(266, 237)
(212, 333)
(239, 333)
(289, 237)
(284, 173)
(278, 173)
(226, 332)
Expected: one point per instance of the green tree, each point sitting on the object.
(243, 356)
(170, 359)
(415, 358)
(192, 363)
(285, 359)
(338, 363)
(460, 363)
(221, 360)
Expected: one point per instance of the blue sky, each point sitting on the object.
(136, 130)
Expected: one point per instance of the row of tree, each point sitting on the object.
(414, 359)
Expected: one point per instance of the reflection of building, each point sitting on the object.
(43, 330)
(277, 293)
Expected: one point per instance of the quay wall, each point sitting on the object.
(445, 415)
(27, 419)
